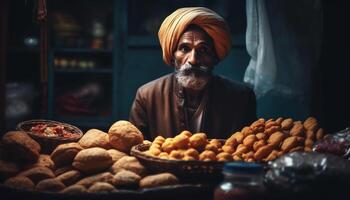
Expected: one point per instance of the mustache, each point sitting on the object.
(187, 67)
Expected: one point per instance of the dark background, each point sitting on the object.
(135, 58)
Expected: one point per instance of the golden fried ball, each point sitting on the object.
(198, 141)
(212, 147)
(186, 133)
(216, 143)
(175, 154)
(192, 153)
(207, 154)
(168, 146)
(181, 141)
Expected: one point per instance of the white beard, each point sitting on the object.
(189, 79)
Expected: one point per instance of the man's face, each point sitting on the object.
(194, 59)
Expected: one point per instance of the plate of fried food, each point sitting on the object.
(194, 154)
(50, 134)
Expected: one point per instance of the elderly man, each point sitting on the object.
(193, 41)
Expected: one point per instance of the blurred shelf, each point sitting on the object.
(24, 50)
(78, 71)
(146, 41)
(82, 50)
(89, 122)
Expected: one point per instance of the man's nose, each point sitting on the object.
(193, 59)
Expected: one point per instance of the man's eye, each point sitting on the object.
(184, 49)
(203, 50)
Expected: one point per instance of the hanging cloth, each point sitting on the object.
(261, 71)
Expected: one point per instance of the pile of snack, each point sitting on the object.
(262, 141)
(98, 162)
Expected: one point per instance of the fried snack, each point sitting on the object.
(43, 161)
(154, 151)
(181, 141)
(262, 152)
(207, 155)
(298, 148)
(212, 147)
(70, 177)
(129, 163)
(198, 141)
(287, 124)
(50, 185)
(158, 180)
(37, 174)
(247, 131)
(7, 169)
(258, 144)
(311, 124)
(176, 154)
(123, 135)
(258, 125)
(101, 187)
(63, 170)
(272, 156)
(239, 136)
(102, 177)
(231, 142)
(289, 143)
(20, 182)
(307, 149)
(310, 134)
(168, 146)
(65, 153)
(320, 134)
(261, 136)
(223, 157)
(186, 133)
(126, 179)
(248, 155)
(146, 142)
(217, 143)
(192, 153)
(74, 189)
(237, 158)
(309, 143)
(22, 145)
(164, 155)
(270, 124)
(92, 160)
(95, 138)
(276, 138)
(272, 129)
(279, 120)
(228, 149)
(188, 158)
(115, 154)
(159, 140)
(249, 141)
(297, 129)
(241, 149)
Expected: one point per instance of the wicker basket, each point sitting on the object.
(186, 170)
(48, 144)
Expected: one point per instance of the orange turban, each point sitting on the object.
(175, 24)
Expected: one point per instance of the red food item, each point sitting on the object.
(51, 131)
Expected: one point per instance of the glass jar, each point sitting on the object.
(242, 181)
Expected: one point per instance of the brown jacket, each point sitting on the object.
(158, 108)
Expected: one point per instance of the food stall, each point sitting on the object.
(77, 146)
(49, 159)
